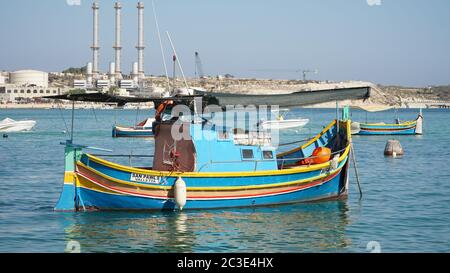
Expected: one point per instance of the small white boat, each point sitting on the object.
(283, 124)
(280, 123)
(10, 125)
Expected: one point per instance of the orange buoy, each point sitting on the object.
(321, 155)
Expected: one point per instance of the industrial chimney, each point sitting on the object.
(112, 73)
(140, 47)
(95, 46)
(135, 73)
(89, 74)
(117, 46)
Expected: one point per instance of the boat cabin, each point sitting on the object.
(192, 146)
(198, 145)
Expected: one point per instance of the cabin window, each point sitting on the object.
(267, 155)
(247, 154)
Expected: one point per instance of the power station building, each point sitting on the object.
(27, 84)
(29, 78)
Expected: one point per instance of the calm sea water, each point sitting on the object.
(405, 206)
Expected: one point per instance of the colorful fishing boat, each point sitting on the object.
(212, 167)
(142, 129)
(412, 127)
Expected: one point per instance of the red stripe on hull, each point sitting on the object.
(308, 185)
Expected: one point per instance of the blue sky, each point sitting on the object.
(404, 42)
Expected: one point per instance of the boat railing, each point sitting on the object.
(282, 160)
(296, 142)
(255, 161)
(129, 156)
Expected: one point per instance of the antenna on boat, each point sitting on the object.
(177, 59)
(161, 46)
(174, 72)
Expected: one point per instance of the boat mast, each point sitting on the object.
(176, 59)
(173, 73)
(337, 116)
(161, 46)
(73, 114)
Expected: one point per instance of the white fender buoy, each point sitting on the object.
(334, 162)
(355, 127)
(180, 193)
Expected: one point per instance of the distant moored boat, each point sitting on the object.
(142, 129)
(412, 127)
(10, 125)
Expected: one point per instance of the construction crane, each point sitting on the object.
(199, 69)
(303, 71)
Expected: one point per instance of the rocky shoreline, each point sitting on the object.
(396, 96)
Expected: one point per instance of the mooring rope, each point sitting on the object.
(95, 115)
(356, 170)
(295, 142)
(62, 116)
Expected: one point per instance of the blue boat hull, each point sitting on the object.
(100, 200)
(365, 131)
(131, 132)
(413, 127)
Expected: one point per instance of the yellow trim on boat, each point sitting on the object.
(299, 169)
(386, 124)
(311, 141)
(69, 177)
(225, 188)
(349, 130)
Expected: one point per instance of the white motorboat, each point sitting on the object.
(10, 125)
(281, 123)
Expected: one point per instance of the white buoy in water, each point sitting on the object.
(180, 193)
(393, 148)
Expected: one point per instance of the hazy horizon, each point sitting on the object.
(382, 41)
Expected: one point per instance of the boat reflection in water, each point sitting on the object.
(306, 227)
